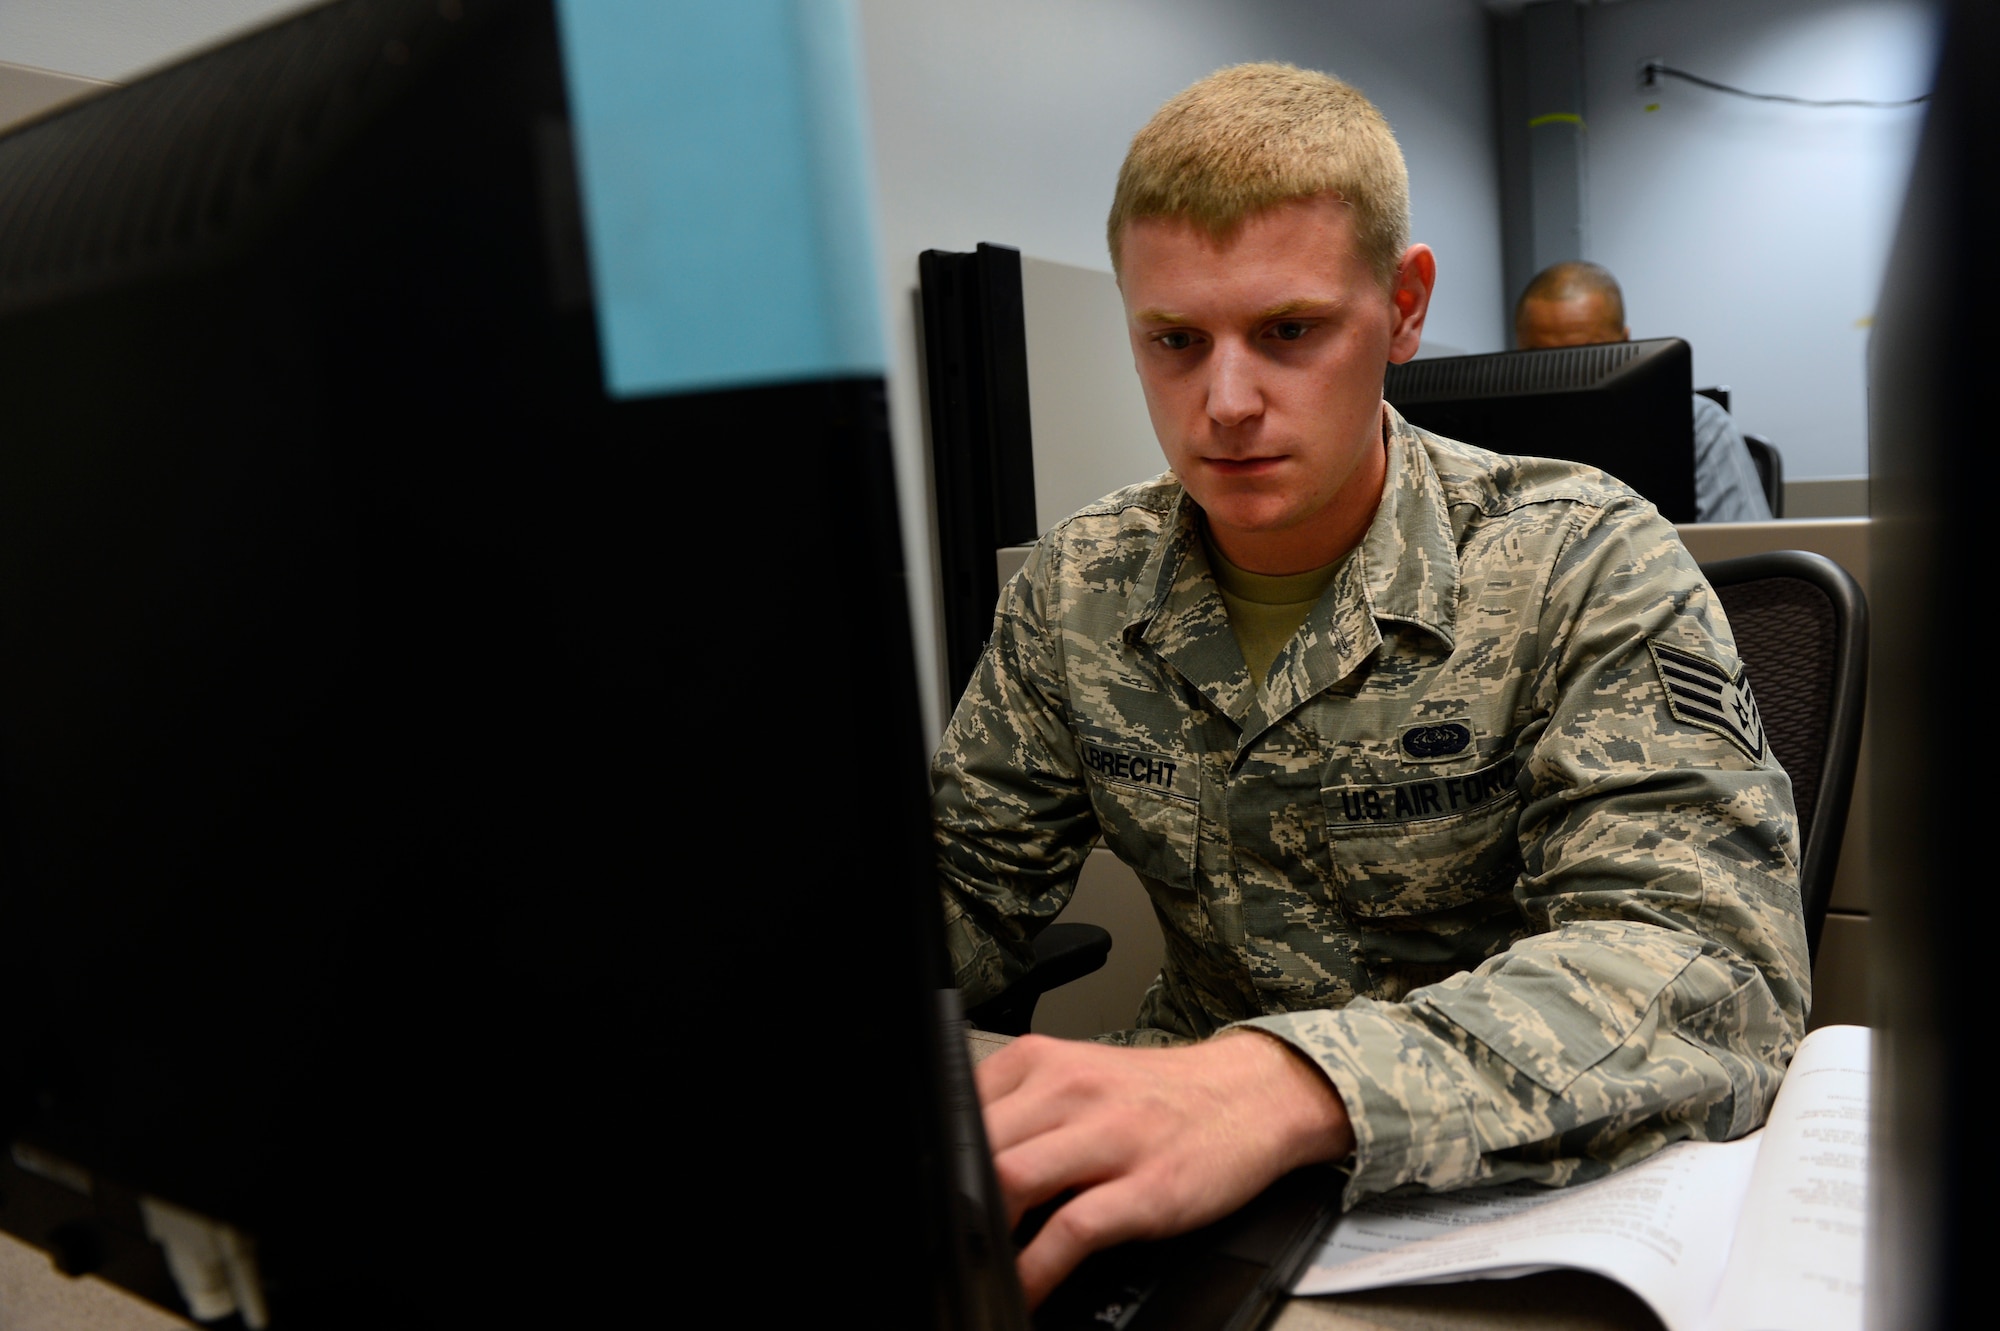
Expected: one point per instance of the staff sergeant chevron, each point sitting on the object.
(1703, 694)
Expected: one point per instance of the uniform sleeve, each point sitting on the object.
(1727, 487)
(1659, 847)
(1009, 804)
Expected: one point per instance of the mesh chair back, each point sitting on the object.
(1801, 627)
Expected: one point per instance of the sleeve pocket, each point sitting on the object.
(1553, 1010)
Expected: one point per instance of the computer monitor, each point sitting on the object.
(1623, 407)
(1932, 919)
(461, 829)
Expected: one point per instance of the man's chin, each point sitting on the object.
(1257, 503)
(1252, 523)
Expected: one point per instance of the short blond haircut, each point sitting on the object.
(1251, 137)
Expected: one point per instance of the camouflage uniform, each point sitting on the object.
(1501, 848)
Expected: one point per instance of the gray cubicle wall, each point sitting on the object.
(1092, 434)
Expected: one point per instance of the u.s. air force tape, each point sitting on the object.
(1411, 801)
(1703, 694)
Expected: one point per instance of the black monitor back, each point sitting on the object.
(1933, 915)
(431, 801)
(1623, 407)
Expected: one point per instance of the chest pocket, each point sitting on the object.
(1414, 848)
(1148, 810)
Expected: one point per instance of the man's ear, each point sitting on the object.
(1416, 275)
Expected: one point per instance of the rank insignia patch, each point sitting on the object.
(1701, 693)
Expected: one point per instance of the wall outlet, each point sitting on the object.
(1649, 73)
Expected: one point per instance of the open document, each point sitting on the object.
(1761, 1234)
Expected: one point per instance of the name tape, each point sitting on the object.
(1157, 770)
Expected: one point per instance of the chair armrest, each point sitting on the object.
(1063, 952)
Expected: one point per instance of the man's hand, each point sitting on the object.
(1153, 1142)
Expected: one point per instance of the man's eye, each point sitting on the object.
(1176, 341)
(1289, 331)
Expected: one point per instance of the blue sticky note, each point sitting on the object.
(726, 193)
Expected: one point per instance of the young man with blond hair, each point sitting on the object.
(1439, 766)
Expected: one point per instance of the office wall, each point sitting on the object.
(55, 51)
(1758, 231)
(1006, 124)
(112, 40)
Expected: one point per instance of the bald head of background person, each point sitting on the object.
(1571, 304)
(1578, 303)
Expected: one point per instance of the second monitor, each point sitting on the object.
(1623, 407)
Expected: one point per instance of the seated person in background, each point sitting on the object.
(1577, 303)
(1438, 766)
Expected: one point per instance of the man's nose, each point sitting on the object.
(1235, 393)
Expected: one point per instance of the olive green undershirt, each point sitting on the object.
(1265, 611)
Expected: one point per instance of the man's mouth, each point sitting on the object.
(1244, 466)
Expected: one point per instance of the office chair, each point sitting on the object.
(1770, 470)
(1063, 952)
(1801, 626)
(1770, 466)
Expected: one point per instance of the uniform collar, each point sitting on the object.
(1410, 555)
(1175, 610)
(1404, 571)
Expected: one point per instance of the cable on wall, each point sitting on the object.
(1652, 71)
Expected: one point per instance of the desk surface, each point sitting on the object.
(34, 1296)
(1552, 1301)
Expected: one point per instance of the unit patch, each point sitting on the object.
(1158, 771)
(1703, 694)
(1409, 801)
(1435, 741)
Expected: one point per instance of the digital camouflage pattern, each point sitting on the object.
(1460, 850)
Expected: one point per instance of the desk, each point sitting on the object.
(1552, 1301)
(34, 1296)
